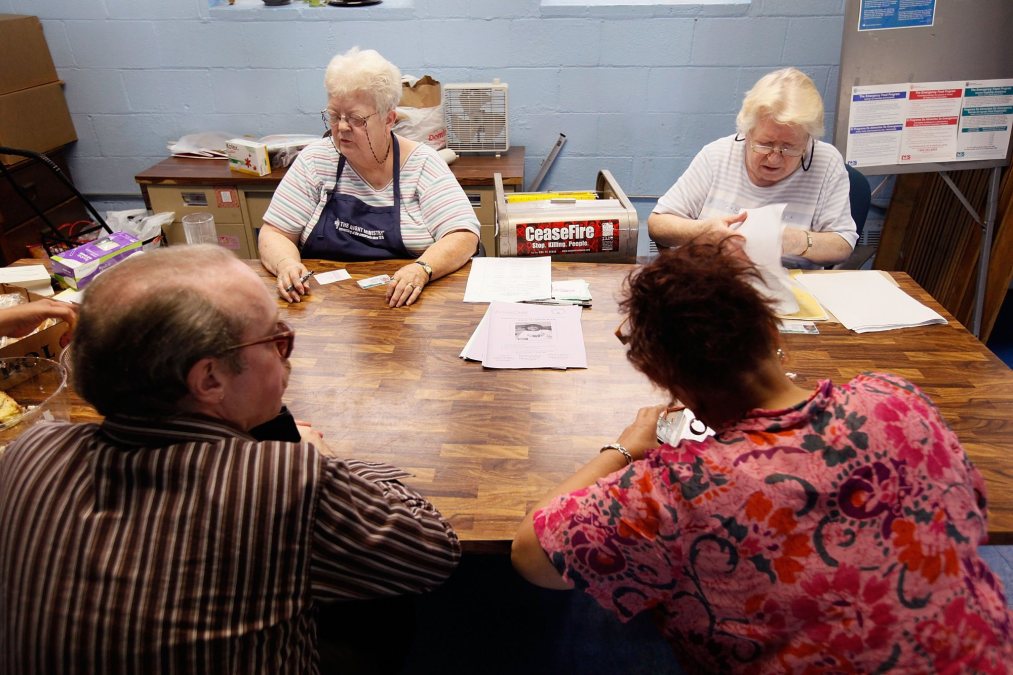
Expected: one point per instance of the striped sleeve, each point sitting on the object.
(297, 202)
(686, 197)
(833, 206)
(445, 207)
(374, 538)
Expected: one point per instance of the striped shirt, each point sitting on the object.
(185, 546)
(716, 184)
(433, 204)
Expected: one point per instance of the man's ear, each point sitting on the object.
(205, 383)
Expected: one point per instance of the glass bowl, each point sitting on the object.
(39, 388)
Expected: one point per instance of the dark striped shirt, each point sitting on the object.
(185, 546)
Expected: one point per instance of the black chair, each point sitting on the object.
(860, 194)
(57, 237)
(861, 197)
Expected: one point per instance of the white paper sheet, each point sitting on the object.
(764, 233)
(509, 279)
(865, 301)
(325, 278)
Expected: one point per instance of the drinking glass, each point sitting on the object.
(199, 228)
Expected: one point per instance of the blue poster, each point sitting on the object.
(886, 14)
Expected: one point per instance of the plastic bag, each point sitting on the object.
(420, 113)
(136, 222)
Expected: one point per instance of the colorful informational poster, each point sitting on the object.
(924, 122)
(930, 126)
(583, 236)
(875, 124)
(985, 119)
(888, 14)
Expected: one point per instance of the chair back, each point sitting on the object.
(861, 197)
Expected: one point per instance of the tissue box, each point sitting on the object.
(78, 266)
(248, 156)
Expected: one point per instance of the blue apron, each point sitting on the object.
(350, 229)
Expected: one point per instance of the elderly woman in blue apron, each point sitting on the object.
(366, 193)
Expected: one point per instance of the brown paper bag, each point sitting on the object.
(420, 113)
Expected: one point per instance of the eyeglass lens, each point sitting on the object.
(784, 151)
(352, 120)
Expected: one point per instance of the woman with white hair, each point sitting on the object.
(366, 193)
(774, 158)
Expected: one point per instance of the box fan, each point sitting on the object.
(476, 117)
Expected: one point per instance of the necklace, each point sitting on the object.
(373, 152)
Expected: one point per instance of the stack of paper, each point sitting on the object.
(203, 145)
(516, 335)
(866, 301)
(35, 278)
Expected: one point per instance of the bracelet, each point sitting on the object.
(808, 243)
(620, 449)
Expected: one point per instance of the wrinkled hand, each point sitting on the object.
(642, 434)
(20, 320)
(406, 285)
(290, 274)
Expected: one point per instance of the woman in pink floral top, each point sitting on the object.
(833, 530)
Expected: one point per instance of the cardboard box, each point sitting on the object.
(35, 119)
(48, 343)
(78, 266)
(248, 156)
(25, 54)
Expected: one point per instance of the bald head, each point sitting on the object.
(147, 320)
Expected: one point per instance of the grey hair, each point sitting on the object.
(787, 96)
(364, 71)
(143, 325)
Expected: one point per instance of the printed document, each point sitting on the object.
(516, 335)
(509, 279)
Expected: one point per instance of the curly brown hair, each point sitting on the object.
(698, 327)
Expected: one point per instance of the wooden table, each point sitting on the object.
(485, 445)
(387, 384)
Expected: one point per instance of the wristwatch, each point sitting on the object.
(426, 267)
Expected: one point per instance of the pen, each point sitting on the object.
(302, 280)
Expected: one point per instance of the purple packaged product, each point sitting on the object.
(78, 266)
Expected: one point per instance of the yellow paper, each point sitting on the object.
(809, 308)
(546, 196)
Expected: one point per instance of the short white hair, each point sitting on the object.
(364, 71)
(787, 96)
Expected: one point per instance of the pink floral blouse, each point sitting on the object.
(837, 536)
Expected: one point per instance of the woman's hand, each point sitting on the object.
(642, 434)
(20, 320)
(406, 285)
(290, 279)
(723, 225)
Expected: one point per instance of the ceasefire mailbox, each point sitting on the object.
(592, 226)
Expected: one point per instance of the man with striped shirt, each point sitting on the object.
(167, 539)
